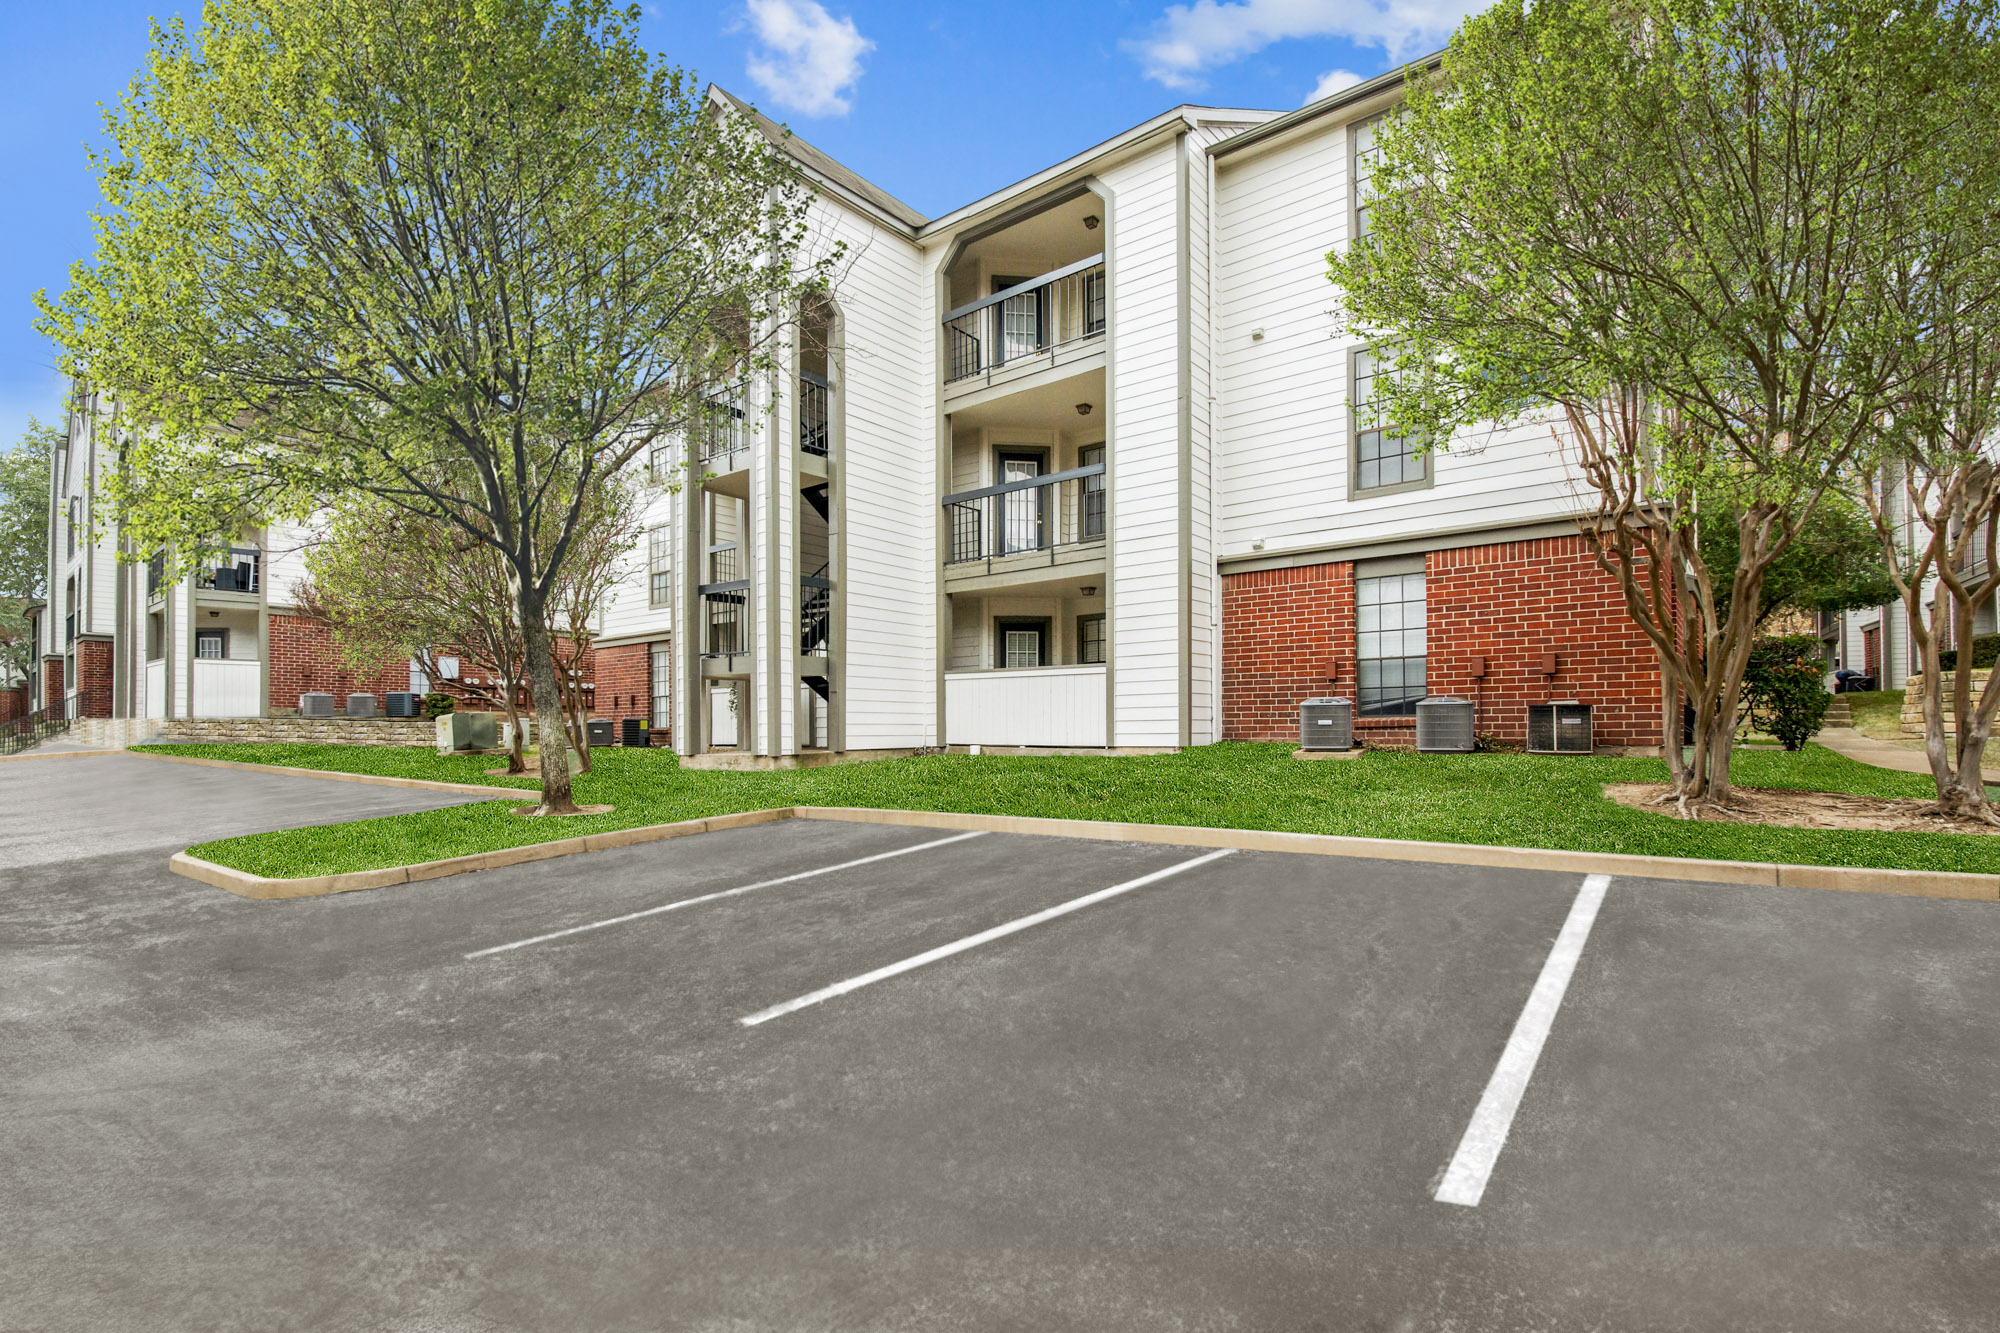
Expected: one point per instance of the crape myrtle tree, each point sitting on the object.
(467, 257)
(1664, 228)
(392, 584)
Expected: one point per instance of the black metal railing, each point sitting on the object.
(156, 574)
(241, 570)
(815, 415)
(725, 437)
(43, 724)
(1035, 514)
(1023, 322)
(726, 631)
(815, 611)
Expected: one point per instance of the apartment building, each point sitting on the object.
(119, 638)
(1077, 465)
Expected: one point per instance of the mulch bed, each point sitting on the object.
(1809, 809)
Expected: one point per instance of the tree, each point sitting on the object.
(1784, 689)
(24, 539)
(1834, 563)
(1665, 229)
(467, 257)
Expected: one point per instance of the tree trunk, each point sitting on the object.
(545, 694)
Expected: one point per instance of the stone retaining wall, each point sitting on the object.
(1913, 697)
(301, 730)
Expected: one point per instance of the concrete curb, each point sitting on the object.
(57, 754)
(373, 779)
(246, 885)
(1917, 883)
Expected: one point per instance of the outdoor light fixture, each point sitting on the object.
(1090, 222)
(1088, 590)
(1256, 335)
(1083, 409)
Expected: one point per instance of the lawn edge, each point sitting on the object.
(339, 775)
(1965, 886)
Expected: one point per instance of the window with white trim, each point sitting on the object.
(659, 567)
(663, 684)
(1391, 644)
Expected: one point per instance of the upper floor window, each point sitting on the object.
(1363, 154)
(1381, 462)
(659, 572)
(75, 521)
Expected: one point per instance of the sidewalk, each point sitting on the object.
(1883, 754)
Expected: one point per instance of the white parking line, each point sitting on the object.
(1465, 1179)
(725, 893)
(973, 941)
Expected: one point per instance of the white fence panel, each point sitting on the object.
(156, 690)
(1027, 706)
(226, 688)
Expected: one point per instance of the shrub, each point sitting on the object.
(437, 704)
(1784, 689)
(1985, 653)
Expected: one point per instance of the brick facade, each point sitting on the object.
(1288, 634)
(93, 677)
(14, 702)
(52, 682)
(304, 660)
(625, 682)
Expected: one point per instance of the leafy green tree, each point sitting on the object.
(1668, 230)
(24, 538)
(1833, 564)
(467, 257)
(1784, 689)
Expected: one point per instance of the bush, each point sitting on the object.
(1985, 653)
(1784, 689)
(437, 704)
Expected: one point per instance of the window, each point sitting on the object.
(659, 571)
(663, 684)
(660, 458)
(1020, 642)
(211, 643)
(1092, 455)
(1389, 625)
(1381, 462)
(75, 521)
(1090, 639)
(1363, 154)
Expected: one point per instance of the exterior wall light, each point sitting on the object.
(1090, 222)
(1083, 409)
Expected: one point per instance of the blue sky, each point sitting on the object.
(936, 104)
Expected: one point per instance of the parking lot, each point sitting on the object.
(822, 1075)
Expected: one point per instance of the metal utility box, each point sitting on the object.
(399, 703)
(1444, 726)
(467, 731)
(1559, 728)
(597, 731)
(634, 732)
(316, 705)
(361, 705)
(1326, 724)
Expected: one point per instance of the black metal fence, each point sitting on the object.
(46, 723)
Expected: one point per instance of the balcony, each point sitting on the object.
(1036, 523)
(815, 612)
(1026, 326)
(239, 571)
(725, 602)
(815, 416)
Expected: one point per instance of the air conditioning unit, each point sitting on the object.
(1559, 728)
(316, 705)
(361, 705)
(1444, 726)
(399, 703)
(1326, 724)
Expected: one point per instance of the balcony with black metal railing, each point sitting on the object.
(239, 570)
(725, 618)
(1039, 323)
(1056, 520)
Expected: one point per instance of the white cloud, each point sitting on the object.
(807, 60)
(1331, 82)
(1191, 39)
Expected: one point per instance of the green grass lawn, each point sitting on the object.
(1513, 800)
(1877, 712)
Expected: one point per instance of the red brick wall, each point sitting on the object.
(52, 682)
(14, 702)
(93, 677)
(1288, 635)
(625, 682)
(304, 660)
(1513, 603)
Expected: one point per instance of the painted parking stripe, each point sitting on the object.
(973, 941)
(1472, 1165)
(725, 893)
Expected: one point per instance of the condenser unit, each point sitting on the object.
(361, 705)
(1559, 728)
(1326, 724)
(316, 705)
(399, 703)
(1444, 726)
